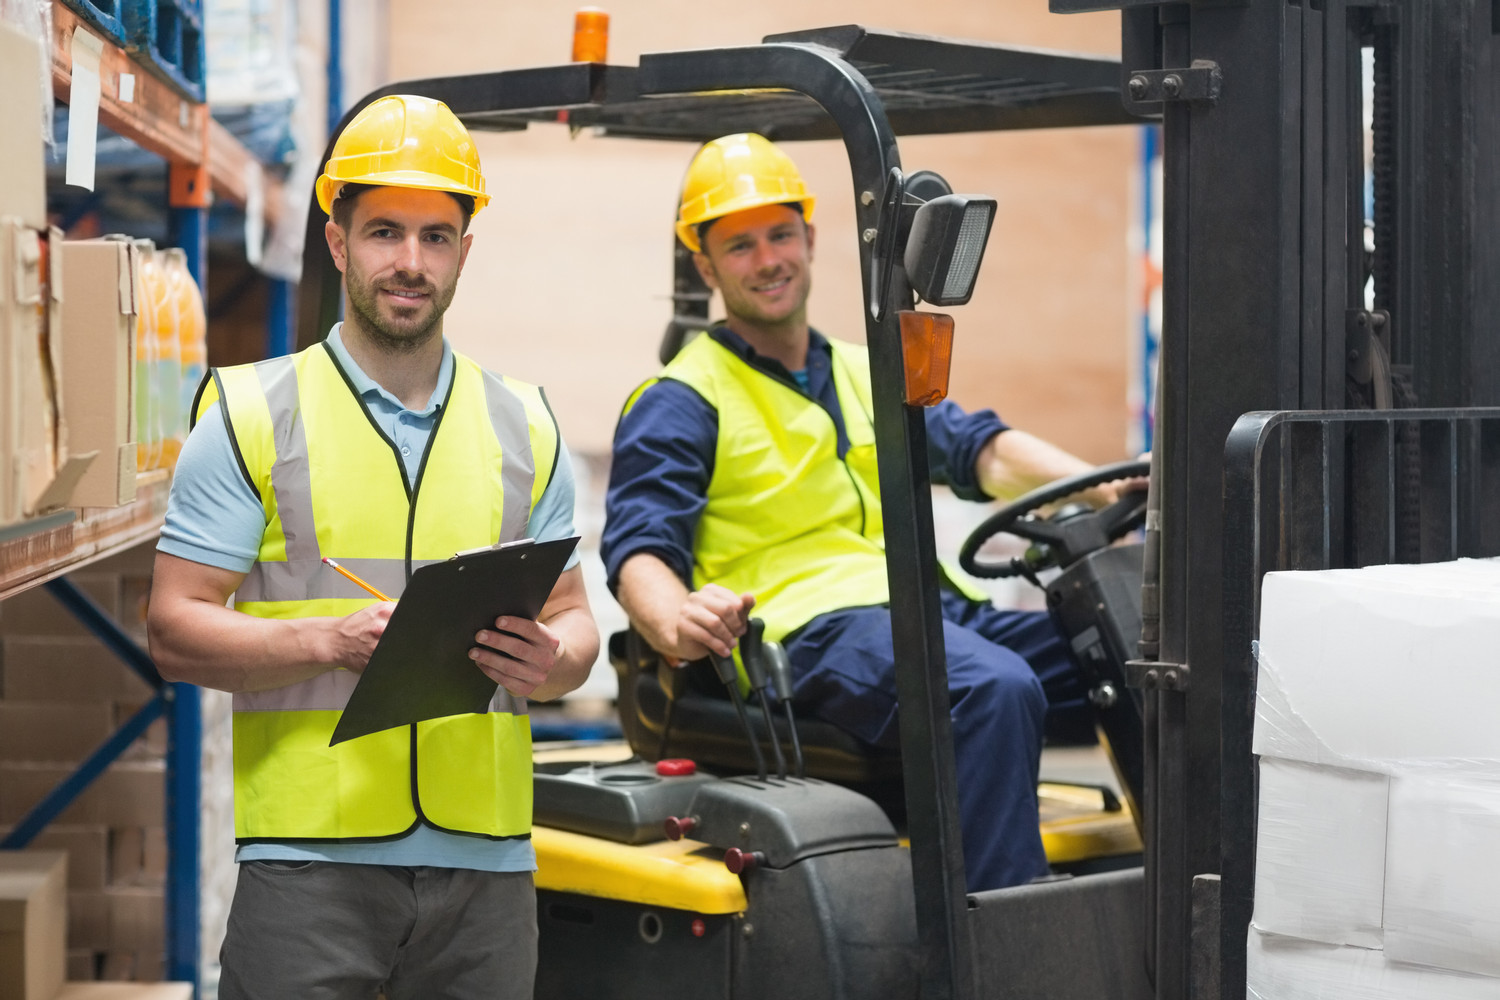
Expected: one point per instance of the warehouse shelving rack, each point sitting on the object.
(204, 160)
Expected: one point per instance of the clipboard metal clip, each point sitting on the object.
(519, 542)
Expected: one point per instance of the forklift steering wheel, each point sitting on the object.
(1065, 537)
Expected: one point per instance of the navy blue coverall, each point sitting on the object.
(1009, 672)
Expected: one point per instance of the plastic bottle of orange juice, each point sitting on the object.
(147, 397)
(161, 303)
(192, 338)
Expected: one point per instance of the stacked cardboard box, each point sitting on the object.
(1376, 870)
(61, 695)
(36, 471)
(33, 916)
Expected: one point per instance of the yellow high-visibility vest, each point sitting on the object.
(333, 484)
(788, 520)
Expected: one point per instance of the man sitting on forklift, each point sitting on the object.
(745, 476)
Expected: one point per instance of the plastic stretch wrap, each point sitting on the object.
(1284, 968)
(1365, 668)
(1379, 813)
(1320, 853)
(1442, 878)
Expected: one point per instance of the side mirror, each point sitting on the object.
(946, 247)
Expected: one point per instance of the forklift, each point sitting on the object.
(1297, 427)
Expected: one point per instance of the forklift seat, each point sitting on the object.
(685, 712)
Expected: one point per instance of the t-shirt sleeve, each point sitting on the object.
(213, 516)
(552, 517)
(658, 479)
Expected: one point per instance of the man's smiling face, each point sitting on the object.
(401, 258)
(760, 262)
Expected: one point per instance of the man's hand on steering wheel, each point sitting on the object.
(1063, 542)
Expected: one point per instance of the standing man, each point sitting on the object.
(745, 477)
(402, 860)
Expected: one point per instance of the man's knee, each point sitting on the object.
(1000, 687)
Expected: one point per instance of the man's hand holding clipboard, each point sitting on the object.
(427, 664)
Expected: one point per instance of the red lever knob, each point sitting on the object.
(676, 767)
(678, 827)
(739, 861)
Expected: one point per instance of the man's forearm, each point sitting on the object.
(652, 595)
(1014, 463)
(195, 638)
(217, 647)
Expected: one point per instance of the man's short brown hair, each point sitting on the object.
(343, 205)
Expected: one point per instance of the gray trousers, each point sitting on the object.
(321, 931)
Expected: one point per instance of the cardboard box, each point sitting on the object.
(36, 612)
(37, 474)
(43, 731)
(155, 855)
(23, 183)
(135, 602)
(97, 317)
(64, 669)
(127, 854)
(88, 920)
(87, 848)
(137, 919)
(126, 991)
(33, 920)
(129, 793)
(83, 964)
(152, 744)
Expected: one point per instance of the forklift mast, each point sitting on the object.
(1265, 308)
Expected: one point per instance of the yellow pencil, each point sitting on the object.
(348, 575)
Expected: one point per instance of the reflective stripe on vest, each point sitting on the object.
(786, 519)
(333, 484)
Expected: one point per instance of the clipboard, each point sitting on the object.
(421, 668)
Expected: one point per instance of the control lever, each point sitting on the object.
(752, 651)
(781, 679)
(724, 667)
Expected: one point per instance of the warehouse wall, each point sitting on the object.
(567, 284)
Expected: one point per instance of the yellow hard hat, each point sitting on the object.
(404, 141)
(733, 174)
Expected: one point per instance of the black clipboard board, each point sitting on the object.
(421, 668)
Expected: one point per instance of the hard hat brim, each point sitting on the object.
(687, 231)
(328, 187)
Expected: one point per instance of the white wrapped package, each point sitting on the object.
(1361, 668)
(1320, 853)
(1442, 897)
(1283, 968)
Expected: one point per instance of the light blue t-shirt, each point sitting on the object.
(213, 518)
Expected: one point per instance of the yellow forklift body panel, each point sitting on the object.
(668, 873)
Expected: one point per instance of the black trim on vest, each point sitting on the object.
(556, 433)
(412, 495)
(293, 841)
(234, 442)
(208, 375)
(416, 487)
